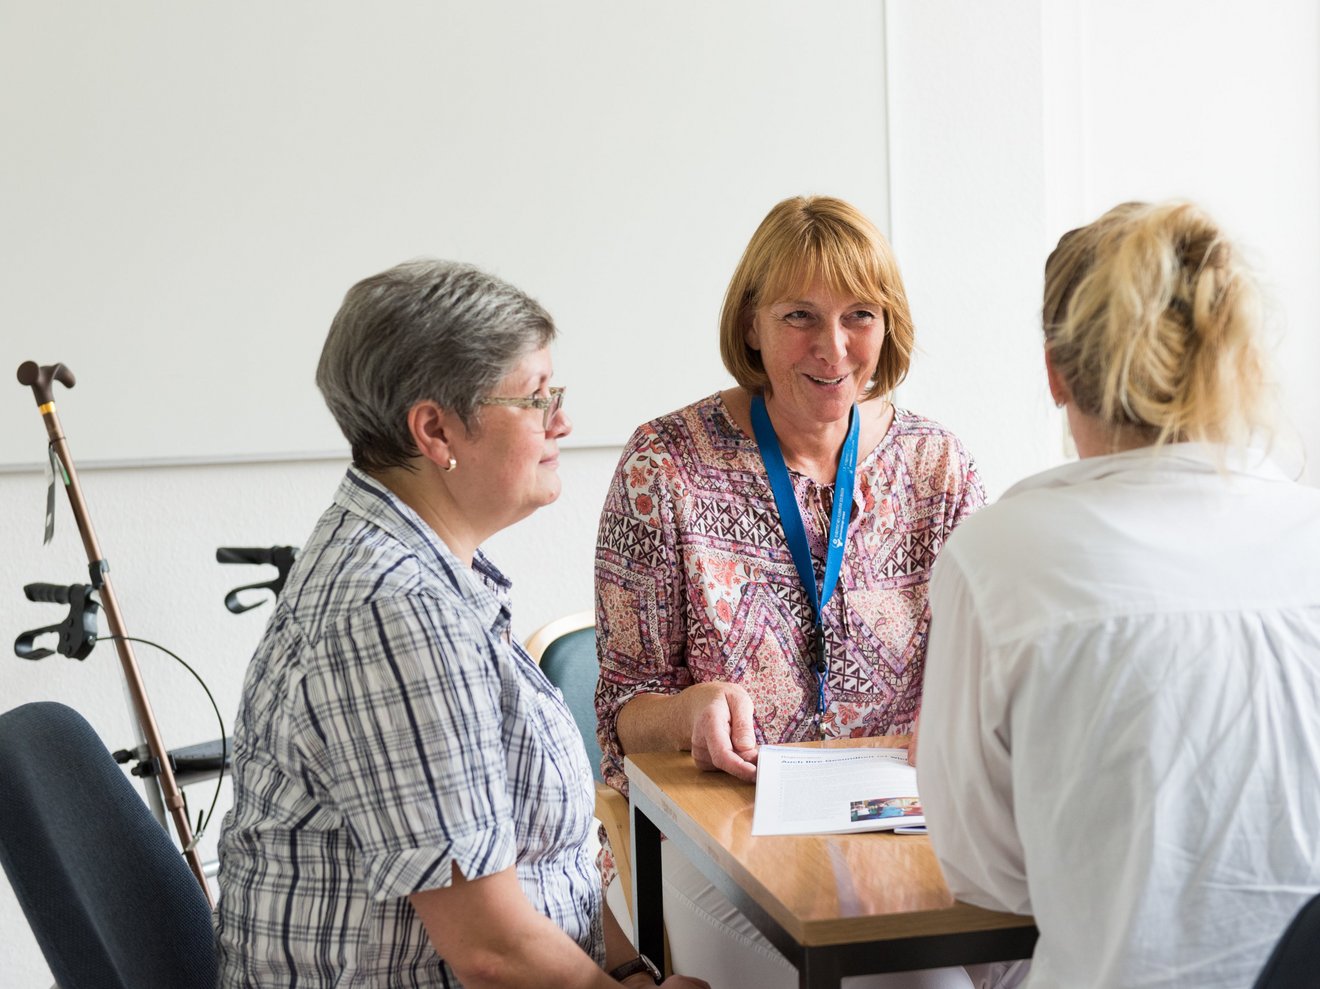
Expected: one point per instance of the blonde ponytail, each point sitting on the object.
(1153, 323)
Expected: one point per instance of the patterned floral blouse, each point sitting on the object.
(695, 582)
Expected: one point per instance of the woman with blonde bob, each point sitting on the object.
(720, 629)
(1121, 727)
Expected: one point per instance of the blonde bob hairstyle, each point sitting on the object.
(800, 241)
(1152, 321)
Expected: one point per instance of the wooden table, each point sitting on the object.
(834, 905)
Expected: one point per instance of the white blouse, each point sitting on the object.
(1120, 730)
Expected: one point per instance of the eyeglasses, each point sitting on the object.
(548, 404)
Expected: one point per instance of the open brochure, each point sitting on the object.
(834, 791)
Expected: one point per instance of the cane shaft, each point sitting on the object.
(137, 689)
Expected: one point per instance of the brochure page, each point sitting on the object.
(835, 791)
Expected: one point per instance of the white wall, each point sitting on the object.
(194, 187)
(1009, 122)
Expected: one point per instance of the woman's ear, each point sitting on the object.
(751, 335)
(1058, 390)
(433, 429)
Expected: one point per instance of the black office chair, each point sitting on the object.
(1295, 961)
(110, 899)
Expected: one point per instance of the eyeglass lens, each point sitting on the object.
(552, 410)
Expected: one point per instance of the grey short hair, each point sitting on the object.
(424, 329)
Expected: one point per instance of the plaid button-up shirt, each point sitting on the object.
(391, 727)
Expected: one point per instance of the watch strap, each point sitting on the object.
(639, 964)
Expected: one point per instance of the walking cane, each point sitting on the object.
(40, 379)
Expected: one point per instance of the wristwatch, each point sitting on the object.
(639, 964)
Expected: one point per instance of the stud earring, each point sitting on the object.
(452, 464)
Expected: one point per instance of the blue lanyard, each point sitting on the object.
(790, 517)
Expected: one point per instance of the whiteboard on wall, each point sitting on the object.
(191, 188)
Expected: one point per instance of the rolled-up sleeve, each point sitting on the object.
(404, 731)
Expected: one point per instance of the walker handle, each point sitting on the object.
(50, 593)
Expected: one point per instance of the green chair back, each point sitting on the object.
(569, 662)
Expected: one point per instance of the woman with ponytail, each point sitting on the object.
(1121, 721)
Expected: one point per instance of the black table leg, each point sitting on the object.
(648, 891)
(819, 969)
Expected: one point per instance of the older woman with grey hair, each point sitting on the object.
(411, 797)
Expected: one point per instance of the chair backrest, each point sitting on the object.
(1295, 961)
(110, 899)
(566, 650)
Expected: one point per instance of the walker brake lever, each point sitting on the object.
(77, 633)
(280, 557)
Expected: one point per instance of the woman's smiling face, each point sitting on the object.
(819, 349)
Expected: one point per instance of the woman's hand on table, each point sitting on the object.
(723, 728)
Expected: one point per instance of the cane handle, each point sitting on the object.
(39, 379)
